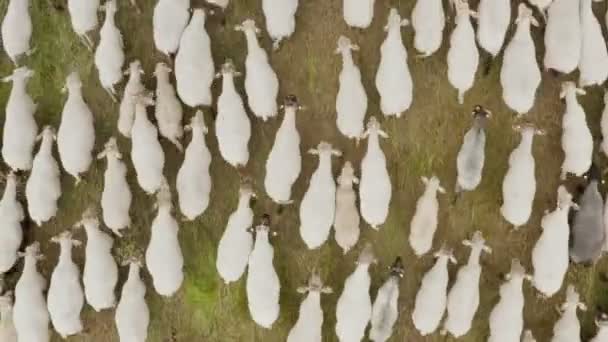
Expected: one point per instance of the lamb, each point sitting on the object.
(471, 156)
(346, 219)
(318, 206)
(193, 179)
(563, 36)
(284, 160)
(43, 187)
(432, 296)
(7, 326)
(11, 216)
(169, 20)
(133, 88)
(232, 126)
(463, 56)
(393, 78)
(494, 18)
(20, 128)
(351, 100)
(520, 75)
(375, 189)
(261, 82)
(568, 328)
(83, 15)
(424, 221)
(76, 134)
(236, 243)
(30, 314)
(428, 21)
(17, 30)
(168, 110)
(577, 141)
(384, 310)
(602, 325)
(358, 14)
(262, 285)
(65, 296)
(604, 126)
(194, 67)
(506, 318)
(132, 313)
(463, 298)
(354, 308)
(593, 62)
(109, 56)
(164, 258)
(280, 19)
(310, 318)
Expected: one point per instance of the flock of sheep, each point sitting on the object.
(573, 40)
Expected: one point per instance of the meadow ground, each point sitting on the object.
(423, 142)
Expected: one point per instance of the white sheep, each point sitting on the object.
(347, 219)
(375, 189)
(7, 326)
(43, 187)
(528, 337)
(284, 161)
(428, 22)
(261, 82)
(593, 62)
(109, 56)
(83, 15)
(568, 328)
(20, 128)
(602, 332)
(11, 216)
(563, 36)
(169, 20)
(506, 318)
(310, 317)
(318, 206)
(168, 110)
(393, 78)
(164, 258)
(116, 196)
(463, 298)
(194, 66)
(493, 21)
(577, 141)
(30, 313)
(351, 100)
(472, 154)
(236, 242)
(232, 125)
(65, 296)
(17, 30)
(193, 179)
(604, 126)
(385, 311)
(280, 18)
(134, 87)
(358, 13)
(463, 56)
(354, 308)
(132, 312)
(76, 133)
(262, 284)
(424, 221)
(520, 75)
(431, 298)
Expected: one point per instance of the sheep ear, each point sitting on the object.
(355, 47)
(7, 79)
(562, 93)
(336, 153)
(127, 72)
(238, 27)
(453, 259)
(441, 189)
(404, 22)
(382, 134)
(313, 151)
(77, 243)
(20, 254)
(386, 28)
(39, 137)
(474, 14)
(102, 154)
(582, 306)
(355, 180)
(467, 243)
(580, 91)
(534, 22)
(575, 206)
(218, 75)
(487, 249)
(302, 289)
(187, 128)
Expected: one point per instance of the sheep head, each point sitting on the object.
(397, 268)
(248, 26)
(367, 255)
(433, 184)
(345, 45)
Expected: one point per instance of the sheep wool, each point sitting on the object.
(604, 126)
(169, 20)
(563, 36)
(351, 101)
(463, 56)
(424, 221)
(280, 18)
(577, 141)
(109, 56)
(7, 326)
(358, 13)
(428, 22)
(132, 312)
(134, 87)
(568, 328)
(347, 219)
(17, 29)
(11, 216)
(385, 311)
(494, 17)
(310, 317)
(593, 62)
(116, 196)
(83, 15)
(168, 110)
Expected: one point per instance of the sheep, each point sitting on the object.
(550, 253)
(261, 82)
(168, 111)
(463, 298)
(577, 141)
(393, 78)
(463, 56)
(506, 318)
(43, 187)
(384, 310)
(375, 189)
(431, 298)
(493, 21)
(164, 258)
(20, 128)
(520, 75)
(346, 219)
(132, 313)
(193, 179)
(318, 206)
(351, 100)
(280, 19)
(30, 313)
(568, 328)
(602, 324)
(194, 67)
(262, 284)
(604, 126)
(563, 36)
(541, 6)
(354, 308)
(528, 337)
(428, 22)
(593, 62)
(65, 296)
(236, 242)
(310, 318)
(7, 326)
(100, 273)
(358, 14)
(284, 161)
(471, 156)
(83, 15)
(17, 30)
(146, 152)
(11, 216)
(134, 87)
(109, 56)
(424, 221)
(76, 133)
(169, 21)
